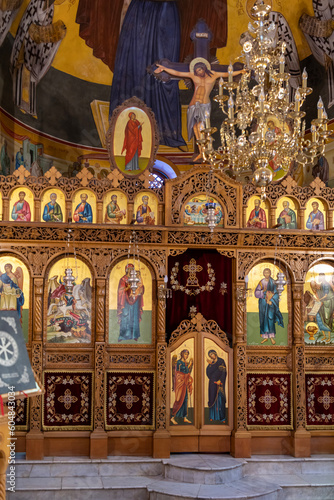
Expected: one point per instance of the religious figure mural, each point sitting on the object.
(4, 159)
(315, 215)
(182, 387)
(286, 211)
(69, 302)
(257, 216)
(35, 46)
(114, 208)
(267, 312)
(319, 305)
(216, 385)
(132, 140)
(21, 205)
(19, 159)
(146, 207)
(84, 207)
(14, 289)
(195, 211)
(130, 311)
(204, 78)
(54, 209)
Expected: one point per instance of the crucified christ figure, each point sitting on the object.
(204, 79)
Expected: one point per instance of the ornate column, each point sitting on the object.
(330, 218)
(5, 209)
(272, 217)
(301, 438)
(161, 437)
(241, 438)
(35, 437)
(301, 218)
(99, 212)
(37, 213)
(160, 214)
(131, 213)
(68, 210)
(99, 438)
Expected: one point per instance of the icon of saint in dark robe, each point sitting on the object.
(216, 373)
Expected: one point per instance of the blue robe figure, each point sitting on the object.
(19, 159)
(129, 307)
(182, 386)
(216, 373)
(150, 32)
(83, 211)
(269, 313)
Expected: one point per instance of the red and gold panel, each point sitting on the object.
(130, 400)
(269, 401)
(67, 402)
(320, 400)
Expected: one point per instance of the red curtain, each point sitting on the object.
(212, 305)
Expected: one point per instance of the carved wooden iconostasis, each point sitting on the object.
(200, 370)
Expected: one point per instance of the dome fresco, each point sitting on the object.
(56, 64)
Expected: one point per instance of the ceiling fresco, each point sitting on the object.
(51, 83)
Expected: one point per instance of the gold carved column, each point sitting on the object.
(241, 438)
(99, 437)
(301, 438)
(35, 437)
(161, 438)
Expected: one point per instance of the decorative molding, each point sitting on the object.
(36, 402)
(263, 361)
(59, 358)
(129, 359)
(100, 356)
(198, 324)
(161, 401)
(241, 400)
(246, 261)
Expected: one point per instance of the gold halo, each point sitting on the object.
(250, 4)
(197, 60)
(312, 325)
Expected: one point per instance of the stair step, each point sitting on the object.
(204, 469)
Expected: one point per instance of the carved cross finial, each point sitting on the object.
(84, 175)
(198, 321)
(318, 186)
(289, 183)
(146, 177)
(53, 175)
(115, 176)
(21, 173)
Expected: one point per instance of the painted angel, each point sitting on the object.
(318, 31)
(11, 290)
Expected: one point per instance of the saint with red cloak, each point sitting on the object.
(182, 386)
(129, 307)
(132, 143)
(257, 217)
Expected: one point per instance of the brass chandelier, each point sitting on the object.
(249, 137)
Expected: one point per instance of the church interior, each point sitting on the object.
(166, 228)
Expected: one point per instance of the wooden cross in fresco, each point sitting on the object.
(200, 71)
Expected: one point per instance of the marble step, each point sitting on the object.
(55, 467)
(271, 464)
(303, 486)
(138, 488)
(204, 469)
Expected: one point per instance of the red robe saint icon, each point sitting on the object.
(132, 143)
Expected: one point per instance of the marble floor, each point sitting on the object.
(183, 476)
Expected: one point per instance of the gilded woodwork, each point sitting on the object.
(39, 245)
